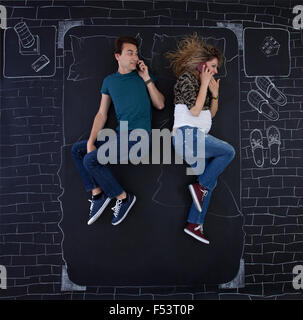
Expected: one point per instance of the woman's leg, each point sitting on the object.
(195, 216)
(221, 154)
(196, 219)
(218, 154)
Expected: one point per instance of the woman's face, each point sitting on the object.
(212, 65)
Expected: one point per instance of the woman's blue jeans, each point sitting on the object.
(218, 154)
(93, 174)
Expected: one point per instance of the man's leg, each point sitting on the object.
(104, 178)
(125, 200)
(79, 150)
(102, 175)
(99, 199)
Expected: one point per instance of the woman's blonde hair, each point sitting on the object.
(190, 52)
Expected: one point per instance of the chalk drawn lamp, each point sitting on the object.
(29, 44)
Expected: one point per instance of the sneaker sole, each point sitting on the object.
(99, 212)
(196, 237)
(134, 200)
(195, 199)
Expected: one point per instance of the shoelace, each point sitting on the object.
(91, 205)
(117, 207)
(204, 192)
(200, 226)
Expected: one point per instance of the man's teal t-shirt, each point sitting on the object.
(130, 98)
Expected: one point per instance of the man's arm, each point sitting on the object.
(99, 121)
(156, 96)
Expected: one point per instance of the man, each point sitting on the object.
(132, 91)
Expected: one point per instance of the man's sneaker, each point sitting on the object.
(97, 207)
(196, 231)
(198, 193)
(122, 208)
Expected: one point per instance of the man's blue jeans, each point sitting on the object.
(92, 172)
(218, 154)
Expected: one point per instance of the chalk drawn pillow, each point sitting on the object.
(93, 57)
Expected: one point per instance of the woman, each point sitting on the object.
(196, 102)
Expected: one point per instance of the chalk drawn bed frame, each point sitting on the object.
(150, 247)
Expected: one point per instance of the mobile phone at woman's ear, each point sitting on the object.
(200, 66)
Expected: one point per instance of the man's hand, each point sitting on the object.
(214, 86)
(90, 147)
(156, 96)
(143, 73)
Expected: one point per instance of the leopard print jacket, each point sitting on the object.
(186, 91)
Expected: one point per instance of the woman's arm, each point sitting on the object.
(213, 107)
(214, 89)
(196, 109)
(205, 77)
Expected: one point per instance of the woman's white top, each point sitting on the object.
(183, 117)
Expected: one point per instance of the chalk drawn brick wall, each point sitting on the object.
(32, 135)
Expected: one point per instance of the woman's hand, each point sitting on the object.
(205, 76)
(90, 147)
(214, 86)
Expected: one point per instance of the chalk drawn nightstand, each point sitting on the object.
(29, 52)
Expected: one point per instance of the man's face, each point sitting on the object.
(128, 58)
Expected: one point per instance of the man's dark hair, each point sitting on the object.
(124, 39)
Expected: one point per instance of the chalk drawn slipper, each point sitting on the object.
(258, 102)
(256, 144)
(274, 142)
(271, 91)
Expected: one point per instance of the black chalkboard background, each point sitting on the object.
(44, 238)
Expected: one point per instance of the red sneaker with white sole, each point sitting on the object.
(198, 193)
(196, 231)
